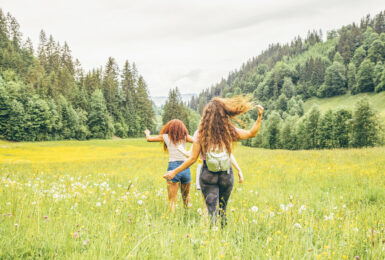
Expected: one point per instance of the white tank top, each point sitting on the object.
(173, 153)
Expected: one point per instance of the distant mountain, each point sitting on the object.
(161, 100)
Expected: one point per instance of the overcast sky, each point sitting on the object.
(189, 44)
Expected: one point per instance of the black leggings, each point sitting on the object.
(216, 188)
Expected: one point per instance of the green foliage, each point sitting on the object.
(365, 77)
(335, 81)
(365, 125)
(99, 121)
(48, 97)
(175, 109)
(339, 128)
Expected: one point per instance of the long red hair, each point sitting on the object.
(176, 131)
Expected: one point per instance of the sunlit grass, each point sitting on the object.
(107, 199)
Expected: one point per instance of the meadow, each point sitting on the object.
(106, 199)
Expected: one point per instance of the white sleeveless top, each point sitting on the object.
(173, 153)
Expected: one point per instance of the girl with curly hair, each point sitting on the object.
(217, 133)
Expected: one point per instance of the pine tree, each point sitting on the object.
(175, 109)
(144, 106)
(41, 49)
(110, 87)
(129, 92)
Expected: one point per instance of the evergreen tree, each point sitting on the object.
(175, 109)
(144, 106)
(129, 92)
(110, 87)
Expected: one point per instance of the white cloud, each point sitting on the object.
(191, 45)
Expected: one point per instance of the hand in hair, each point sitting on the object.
(260, 110)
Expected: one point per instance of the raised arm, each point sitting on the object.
(196, 149)
(246, 134)
(149, 138)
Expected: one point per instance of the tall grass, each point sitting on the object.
(107, 199)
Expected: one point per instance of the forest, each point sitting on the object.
(46, 95)
(349, 61)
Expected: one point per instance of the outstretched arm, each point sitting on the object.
(149, 138)
(196, 149)
(246, 134)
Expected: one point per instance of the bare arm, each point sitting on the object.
(246, 134)
(234, 163)
(149, 138)
(190, 139)
(196, 149)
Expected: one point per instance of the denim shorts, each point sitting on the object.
(184, 176)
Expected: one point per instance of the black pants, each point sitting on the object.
(216, 188)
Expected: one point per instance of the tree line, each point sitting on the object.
(46, 95)
(174, 108)
(350, 61)
(339, 128)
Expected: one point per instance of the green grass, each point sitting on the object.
(348, 101)
(106, 199)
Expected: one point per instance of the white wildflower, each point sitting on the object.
(254, 209)
(297, 225)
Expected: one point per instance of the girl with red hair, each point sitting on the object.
(174, 134)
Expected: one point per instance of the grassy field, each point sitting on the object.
(107, 199)
(377, 101)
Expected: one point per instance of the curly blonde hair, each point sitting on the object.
(216, 130)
